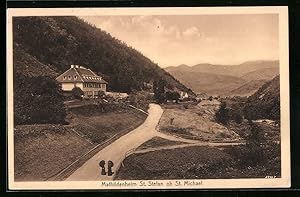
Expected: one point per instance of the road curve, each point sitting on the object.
(116, 152)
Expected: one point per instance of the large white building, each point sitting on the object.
(84, 78)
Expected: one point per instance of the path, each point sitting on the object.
(187, 145)
(175, 138)
(127, 144)
(118, 149)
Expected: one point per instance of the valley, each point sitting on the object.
(115, 104)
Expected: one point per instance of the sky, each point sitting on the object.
(217, 39)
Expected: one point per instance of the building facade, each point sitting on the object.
(85, 79)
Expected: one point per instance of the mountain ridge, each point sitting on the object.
(255, 71)
(243, 68)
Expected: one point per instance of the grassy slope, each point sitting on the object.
(195, 122)
(194, 163)
(41, 151)
(166, 164)
(100, 127)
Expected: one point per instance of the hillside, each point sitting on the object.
(27, 65)
(58, 42)
(211, 84)
(265, 103)
(248, 88)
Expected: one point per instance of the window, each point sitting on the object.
(75, 77)
(65, 77)
(70, 77)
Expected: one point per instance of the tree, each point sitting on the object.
(77, 93)
(159, 91)
(222, 115)
(170, 95)
(38, 100)
(255, 152)
(256, 135)
(238, 118)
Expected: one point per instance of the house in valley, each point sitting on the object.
(183, 95)
(78, 76)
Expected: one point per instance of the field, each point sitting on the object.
(197, 163)
(100, 126)
(195, 121)
(41, 151)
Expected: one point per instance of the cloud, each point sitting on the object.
(173, 40)
(192, 32)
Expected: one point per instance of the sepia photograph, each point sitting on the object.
(148, 98)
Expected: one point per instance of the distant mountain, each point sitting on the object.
(49, 45)
(226, 79)
(247, 89)
(181, 67)
(211, 84)
(261, 74)
(235, 70)
(265, 103)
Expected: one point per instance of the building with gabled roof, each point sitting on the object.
(84, 78)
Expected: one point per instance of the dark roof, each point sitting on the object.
(79, 74)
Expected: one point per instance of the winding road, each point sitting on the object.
(117, 150)
(127, 144)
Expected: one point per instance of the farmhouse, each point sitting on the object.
(84, 78)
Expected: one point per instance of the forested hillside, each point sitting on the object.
(265, 103)
(49, 45)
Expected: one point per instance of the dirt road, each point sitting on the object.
(117, 151)
(127, 144)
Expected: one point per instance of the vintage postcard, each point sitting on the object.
(148, 98)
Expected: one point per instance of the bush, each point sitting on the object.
(38, 100)
(101, 94)
(77, 93)
(237, 117)
(222, 115)
(253, 152)
(140, 99)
